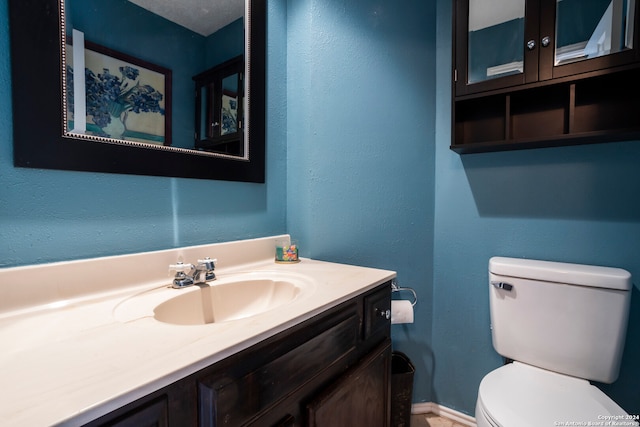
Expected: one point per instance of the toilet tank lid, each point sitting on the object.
(561, 272)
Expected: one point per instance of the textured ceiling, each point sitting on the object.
(201, 16)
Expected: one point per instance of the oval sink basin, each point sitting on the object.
(211, 303)
(229, 298)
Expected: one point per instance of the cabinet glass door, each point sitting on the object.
(496, 33)
(593, 28)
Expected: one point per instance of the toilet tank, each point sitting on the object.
(567, 318)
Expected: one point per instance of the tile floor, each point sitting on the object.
(432, 420)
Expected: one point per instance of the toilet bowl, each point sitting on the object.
(550, 319)
(519, 395)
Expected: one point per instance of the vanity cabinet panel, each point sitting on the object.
(544, 73)
(272, 382)
(174, 405)
(153, 414)
(377, 312)
(225, 400)
(362, 394)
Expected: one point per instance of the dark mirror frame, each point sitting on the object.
(38, 140)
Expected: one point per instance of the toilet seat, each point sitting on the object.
(519, 395)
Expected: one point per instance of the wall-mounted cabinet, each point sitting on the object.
(220, 108)
(544, 73)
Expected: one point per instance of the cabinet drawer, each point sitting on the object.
(377, 311)
(230, 402)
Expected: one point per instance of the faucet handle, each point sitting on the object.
(209, 263)
(181, 280)
(180, 267)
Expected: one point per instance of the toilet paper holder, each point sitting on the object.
(396, 288)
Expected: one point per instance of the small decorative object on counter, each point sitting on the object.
(286, 252)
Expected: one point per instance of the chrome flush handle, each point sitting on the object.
(502, 285)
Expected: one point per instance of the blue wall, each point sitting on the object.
(225, 44)
(359, 170)
(360, 113)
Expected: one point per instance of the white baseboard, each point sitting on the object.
(434, 408)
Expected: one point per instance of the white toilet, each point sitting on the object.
(562, 325)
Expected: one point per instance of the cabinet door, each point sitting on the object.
(506, 43)
(495, 44)
(578, 36)
(360, 397)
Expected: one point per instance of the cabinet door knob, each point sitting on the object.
(386, 314)
(546, 41)
(531, 44)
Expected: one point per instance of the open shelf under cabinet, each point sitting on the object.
(594, 109)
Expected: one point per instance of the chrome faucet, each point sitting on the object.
(189, 274)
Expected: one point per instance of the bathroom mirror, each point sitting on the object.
(46, 134)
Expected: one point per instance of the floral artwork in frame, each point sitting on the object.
(229, 114)
(126, 98)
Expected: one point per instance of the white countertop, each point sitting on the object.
(67, 360)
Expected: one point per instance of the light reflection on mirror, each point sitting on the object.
(138, 87)
(590, 29)
(495, 39)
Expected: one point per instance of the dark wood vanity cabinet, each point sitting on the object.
(333, 369)
(548, 74)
